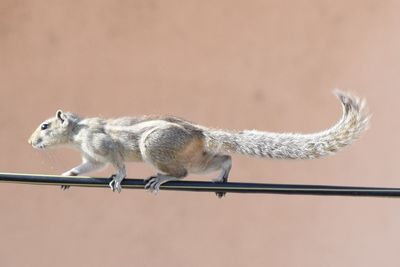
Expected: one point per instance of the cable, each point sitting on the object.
(200, 186)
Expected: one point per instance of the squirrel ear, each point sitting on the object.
(60, 115)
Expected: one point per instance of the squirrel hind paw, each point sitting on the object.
(154, 183)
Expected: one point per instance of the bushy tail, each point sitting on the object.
(354, 121)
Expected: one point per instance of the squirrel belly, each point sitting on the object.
(354, 121)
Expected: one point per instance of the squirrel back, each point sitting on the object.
(354, 121)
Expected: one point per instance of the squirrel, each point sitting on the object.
(176, 147)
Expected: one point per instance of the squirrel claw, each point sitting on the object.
(67, 173)
(65, 187)
(152, 184)
(220, 194)
(114, 184)
(147, 180)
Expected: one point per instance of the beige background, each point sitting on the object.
(266, 64)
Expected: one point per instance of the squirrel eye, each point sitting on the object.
(44, 126)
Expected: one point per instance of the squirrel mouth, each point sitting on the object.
(39, 146)
(38, 143)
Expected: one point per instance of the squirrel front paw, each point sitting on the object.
(115, 184)
(67, 173)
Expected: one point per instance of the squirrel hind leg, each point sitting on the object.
(224, 164)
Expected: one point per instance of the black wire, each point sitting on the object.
(200, 186)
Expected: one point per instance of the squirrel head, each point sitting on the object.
(54, 131)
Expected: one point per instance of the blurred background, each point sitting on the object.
(268, 65)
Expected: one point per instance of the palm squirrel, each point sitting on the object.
(176, 147)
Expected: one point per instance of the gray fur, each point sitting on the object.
(176, 147)
(293, 145)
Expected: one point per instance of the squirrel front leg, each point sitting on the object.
(117, 178)
(85, 167)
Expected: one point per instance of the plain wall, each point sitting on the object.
(268, 65)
